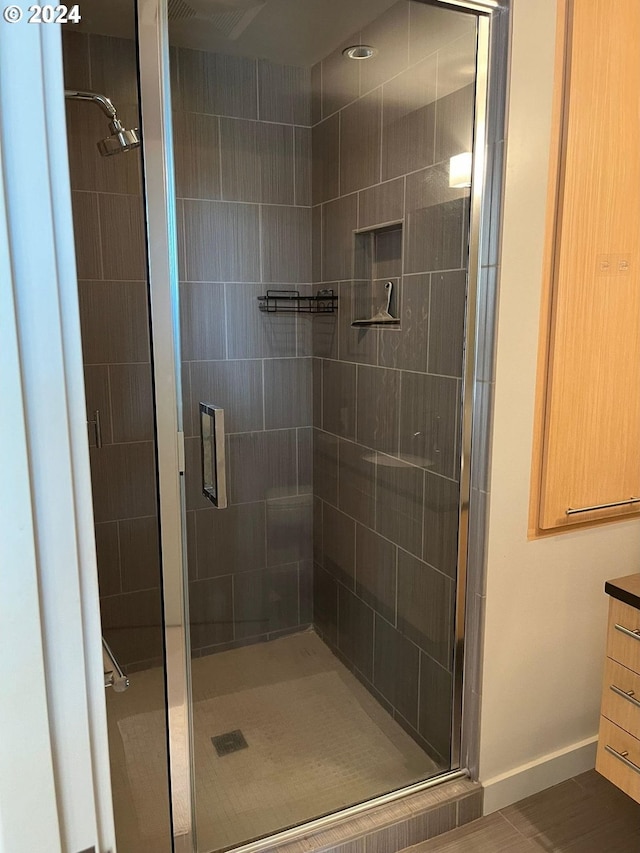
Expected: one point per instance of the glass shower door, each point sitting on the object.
(101, 78)
(322, 168)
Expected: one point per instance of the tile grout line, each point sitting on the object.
(96, 196)
(338, 478)
(295, 150)
(397, 560)
(257, 90)
(340, 194)
(195, 545)
(247, 119)
(260, 245)
(219, 136)
(121, 587)
(233, 609)
(297, 460)
(394, 77)
(110, 401)
(511, 824)
(321, 392)
(381, 151)
(225, 308)
(89, 61)
(129, 592)
(418, 703)
(408, 465)
(380, 535)
(264, 399)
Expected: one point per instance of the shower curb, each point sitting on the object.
(391, 827)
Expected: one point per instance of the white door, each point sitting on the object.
(54, 771)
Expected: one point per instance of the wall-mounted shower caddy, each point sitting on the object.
(292, 302)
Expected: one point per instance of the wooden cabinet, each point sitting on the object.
(588, 445)
(618, 757)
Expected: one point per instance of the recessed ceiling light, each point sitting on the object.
(359, 51)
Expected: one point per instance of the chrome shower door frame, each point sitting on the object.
(159, 197)
(153, 47)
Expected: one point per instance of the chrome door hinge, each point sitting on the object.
(95, 421)
(181, 452)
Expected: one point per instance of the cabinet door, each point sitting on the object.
(591, 447)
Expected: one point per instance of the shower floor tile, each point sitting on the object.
(317, 741)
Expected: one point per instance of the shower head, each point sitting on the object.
(120, 139)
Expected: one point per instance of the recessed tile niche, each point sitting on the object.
(378, 262)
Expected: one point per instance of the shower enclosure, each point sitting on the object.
(319, 260)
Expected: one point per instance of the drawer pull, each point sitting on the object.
(622, 756)
(573, 511)
(635, 635)
(629, 695)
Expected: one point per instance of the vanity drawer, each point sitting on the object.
(622, 765)
(623, 643)
(621, 697)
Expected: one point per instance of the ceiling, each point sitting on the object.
(290, 32)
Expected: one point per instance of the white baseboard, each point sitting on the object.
(551, 769)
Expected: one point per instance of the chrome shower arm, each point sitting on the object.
(101, 100)
(120, 138)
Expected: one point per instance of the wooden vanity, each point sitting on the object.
(618, 757)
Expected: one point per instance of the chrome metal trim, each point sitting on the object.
(97, 427)
(156, 132)
(214, 482)
(635, 635)
(158, 172)
(485, 7)
(629, 695)
(272, 842)
(477, 191)
(622, 756)
(571, 511)
(113, 674)
(105, 104)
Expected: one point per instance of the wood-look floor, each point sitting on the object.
(584, 815)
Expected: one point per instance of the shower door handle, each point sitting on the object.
(213, 455)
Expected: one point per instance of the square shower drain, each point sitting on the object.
(229, 742)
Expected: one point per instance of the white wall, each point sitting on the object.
(545, 605)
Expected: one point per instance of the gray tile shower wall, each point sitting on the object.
(243, 183)
(110, 256)
(243, 178)
(386, 400)
(343, 442)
